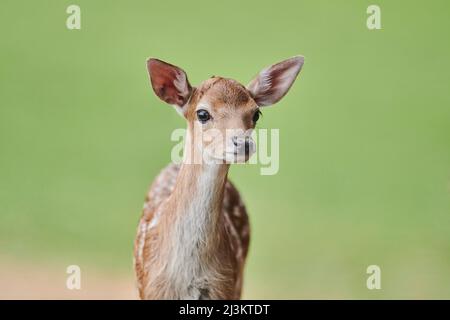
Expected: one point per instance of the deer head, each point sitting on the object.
(221, 113)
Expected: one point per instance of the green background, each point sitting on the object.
(365, 136)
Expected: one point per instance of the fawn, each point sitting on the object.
(193, 236)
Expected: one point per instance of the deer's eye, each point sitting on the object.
(256, 116)
(203, 115)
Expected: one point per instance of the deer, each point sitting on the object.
(193, 236)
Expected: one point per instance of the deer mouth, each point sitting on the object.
(237, 157)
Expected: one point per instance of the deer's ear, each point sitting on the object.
(169, 82)
(273, 82)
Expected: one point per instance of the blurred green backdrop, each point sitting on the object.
(365, 136)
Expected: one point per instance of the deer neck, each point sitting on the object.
(197, 202)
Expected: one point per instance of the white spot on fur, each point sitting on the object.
(142, 232)
(154, 220)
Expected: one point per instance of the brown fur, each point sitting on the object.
(226, 246)
(231, 241)
(194, 233)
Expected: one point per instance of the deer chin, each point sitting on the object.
(227, 158)
(237, 157)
